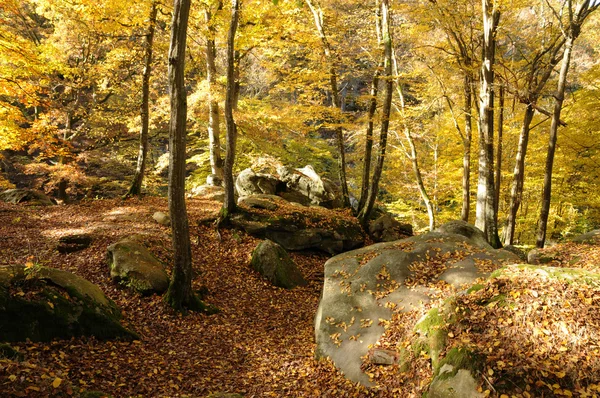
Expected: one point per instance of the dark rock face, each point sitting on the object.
(43, 303)
(28, 196)
(301, 228)
(273, 262)
(387, 229)
(73, 243)
(132, 264)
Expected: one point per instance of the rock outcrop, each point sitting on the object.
(43, 303)
(361, 286)
(273, 262)
(131, 264)
(297, 227)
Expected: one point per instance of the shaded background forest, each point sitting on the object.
(71, 84)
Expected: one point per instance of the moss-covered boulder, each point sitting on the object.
(299, 227)
(43, 303)
(133, 265)
(273, 262)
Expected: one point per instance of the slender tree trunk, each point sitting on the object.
(516, 193)
(365, 212)
(138, 177)
(339, 131)
(485, 214)
(214, 130)
(364, 191)
(498, 172)
(559, 97)
(468, 137)
(229, 204)
(180, 292)
(420, 184)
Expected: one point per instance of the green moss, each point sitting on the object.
(459, 358)
(475, 288)
(568, 275)
(433, 335)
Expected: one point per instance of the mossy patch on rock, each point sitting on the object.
(49, 303)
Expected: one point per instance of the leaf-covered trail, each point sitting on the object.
(260, 344)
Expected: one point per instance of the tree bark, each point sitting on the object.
(333, 84)
(229, 205)
(365, 212)
(138, 177)
(180, 292)
(571, 30)
(498, 173)
(467, 139)
(485, 214)
(558, 102)
(214, 130)
(366, 174)
(516, 193)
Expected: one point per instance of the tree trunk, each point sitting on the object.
(366, 175)
(339, 131)
(138, 177)
(180, 292)
(485, 214)
(365, 212)
(229, 204)
(559, 97)
(420, 184)
(468, 137)
(498, 172)
(214, 130)
(516, 193)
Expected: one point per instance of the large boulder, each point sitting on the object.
(297, 227)
(208, 192)
(592, 237)
(362, 286)
(474, 234)
(273, 262)
(250, 183)
(132, 264)
(29, 196)
(73, 243)
(306, 183)
(42, 304)
(386, 228)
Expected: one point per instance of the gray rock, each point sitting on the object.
(214, 180)
(162, 218)
(450, 384)
(250, 183)
(61, 305)
(542, 256)
(359, 284)
(387, 229)
(266, 202)
(592, 237)
(274, 263)
(28, 196)
(208, 192)
(475, 235)
(305, 182)
(132, 264)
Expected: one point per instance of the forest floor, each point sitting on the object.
(261, 343)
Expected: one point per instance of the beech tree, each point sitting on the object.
(229, 204)
(138, 177)
(571, 29)
(180, 294)
(485, 212)
(386, 39)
